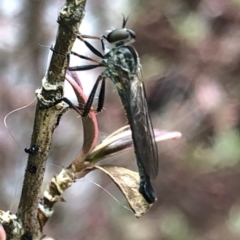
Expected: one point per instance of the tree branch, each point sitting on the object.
(46, 120)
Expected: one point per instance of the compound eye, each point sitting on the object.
(132, 33)
(117, 35)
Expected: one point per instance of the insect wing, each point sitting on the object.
(133, 96)
(143, 134)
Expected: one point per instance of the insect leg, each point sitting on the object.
(85, 67)
(80, 37)
(85, 57)
(88, 36)
(66, 100)
(94, 37)
(101, 96)
(80, 68)
(91, 47)
(91, 97)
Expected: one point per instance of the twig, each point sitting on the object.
(46, 120)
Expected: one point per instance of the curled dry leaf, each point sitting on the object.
(128, 182)
(121, 140)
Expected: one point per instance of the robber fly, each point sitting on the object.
(124, 69)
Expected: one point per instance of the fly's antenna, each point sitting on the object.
(125, 19)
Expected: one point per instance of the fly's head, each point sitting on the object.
(121, 36)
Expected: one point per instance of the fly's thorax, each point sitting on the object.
(124, 58)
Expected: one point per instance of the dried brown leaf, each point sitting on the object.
(128, 182)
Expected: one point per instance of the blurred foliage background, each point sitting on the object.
(190, 52)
